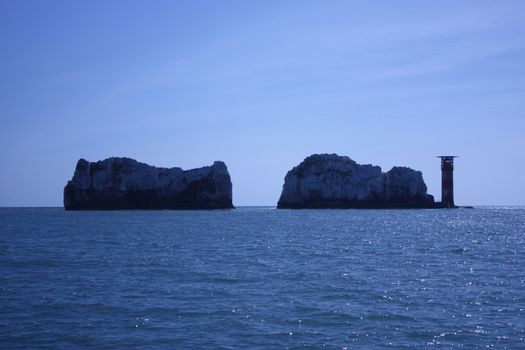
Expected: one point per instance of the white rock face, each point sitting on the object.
(124, 183)
(332, 181)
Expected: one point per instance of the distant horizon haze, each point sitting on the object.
(261, 86)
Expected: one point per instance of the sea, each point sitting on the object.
(262, 278)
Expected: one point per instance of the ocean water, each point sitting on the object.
(261, 278)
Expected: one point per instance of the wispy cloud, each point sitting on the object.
(325, 58)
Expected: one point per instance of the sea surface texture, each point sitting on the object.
(261, 278)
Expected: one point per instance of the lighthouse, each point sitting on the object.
(447, 181)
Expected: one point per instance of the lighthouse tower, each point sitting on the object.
(447, 181)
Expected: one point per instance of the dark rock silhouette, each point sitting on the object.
(124, 183)
(332, 181)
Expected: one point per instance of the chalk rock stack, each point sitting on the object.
(332, 181)
(124, 183)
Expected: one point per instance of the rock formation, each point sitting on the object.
(332, 181)
(124, 183)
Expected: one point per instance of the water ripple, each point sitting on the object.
(261, 278)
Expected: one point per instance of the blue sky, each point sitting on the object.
(261, 85)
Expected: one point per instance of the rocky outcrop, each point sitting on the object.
(332, 181)
(124, 183)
